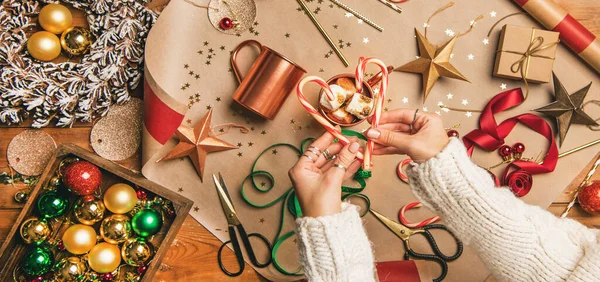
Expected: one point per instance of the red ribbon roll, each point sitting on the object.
(491, 136)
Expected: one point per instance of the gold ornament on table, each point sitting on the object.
(197, 143)
(55, 18)
(116, 229)
(120, 198)
(89, 210)
(70, 269)
(79, 239)
(34, 231)
(136, 252)
(43, 46)
(567, 109)
(434, 61)
(104, 257)
(76, 40)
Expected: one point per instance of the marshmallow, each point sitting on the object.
(348, 85)
(339, 95)
(360, 106)
(341, 116)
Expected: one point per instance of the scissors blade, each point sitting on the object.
(226, 204)
(400, 230)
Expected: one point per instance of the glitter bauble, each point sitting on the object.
(82, 178)
(89, 210)
(589, 197)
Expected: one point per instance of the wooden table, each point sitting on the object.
(192, 256)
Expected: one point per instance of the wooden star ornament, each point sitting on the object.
(567, 109)
(197, 143)
(433, 63)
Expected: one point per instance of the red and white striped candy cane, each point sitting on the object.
(315, 114)
(380, 98)
(408, 224)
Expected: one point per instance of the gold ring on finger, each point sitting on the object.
(340, 167)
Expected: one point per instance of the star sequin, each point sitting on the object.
(404, 100)
(468, 114)
(449, 32)
(486, 41)
(449, 96)
(365, 40)
(503, 86)
(493, 14)
(287, 35)
(471, 57)
(465, 102)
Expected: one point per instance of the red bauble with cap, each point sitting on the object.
(589, 197)
(82, 178)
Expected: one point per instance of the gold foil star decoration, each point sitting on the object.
(433, 63)
(567, 109)
(197, 143)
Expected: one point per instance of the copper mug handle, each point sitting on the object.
(236, 70)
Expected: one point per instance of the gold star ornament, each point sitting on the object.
(196, 143)
(567, 109)
(433, 63)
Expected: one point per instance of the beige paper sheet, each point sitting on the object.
(183, 30)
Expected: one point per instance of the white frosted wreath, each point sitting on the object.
(66, 92)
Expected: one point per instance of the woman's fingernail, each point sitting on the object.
(373, 133)
(353, 147)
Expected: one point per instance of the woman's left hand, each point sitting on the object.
(318, 181)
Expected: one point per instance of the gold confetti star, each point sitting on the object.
(240, 145)
(207, 62)
(197, 76)
(222, 48)
(250, 144)
(208, 107)
(200, 52)
(189, 121)
(274, 152)
(287, 35)
(186, 66)
(180, 189)
(263, 132)
(240, 154)
(262, 220)
(218, 99)
(252, 128)
(262, 183)
(196, 209)
(292, 121)
(205, 43)
(191, 73)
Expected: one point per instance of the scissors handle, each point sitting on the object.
(238, 254)
(434, 246)
(434, 258)
(238, 251)
(250, 250)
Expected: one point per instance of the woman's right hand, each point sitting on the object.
(421, 141)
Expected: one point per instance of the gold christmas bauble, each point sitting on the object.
(55, 18)
(70, 269)
(89, 210)
(120, 198)
(76, 40)
(104, 257)
(34, 231)
(136, 252)
(43, 46)
(79, 239)
(115, 229)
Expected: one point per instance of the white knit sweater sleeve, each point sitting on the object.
(336, 247)
(517, 242)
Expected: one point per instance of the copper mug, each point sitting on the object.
(269, 81)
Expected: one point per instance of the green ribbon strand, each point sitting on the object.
(289, 199)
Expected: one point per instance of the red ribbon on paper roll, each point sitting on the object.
(572, 32)
(491, 136)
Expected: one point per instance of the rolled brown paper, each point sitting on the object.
(572, 33)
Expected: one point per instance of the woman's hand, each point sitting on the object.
(318, 181)
(421, 136)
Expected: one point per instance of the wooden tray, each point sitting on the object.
(14, 247)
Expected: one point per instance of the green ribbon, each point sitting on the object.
(290, 202)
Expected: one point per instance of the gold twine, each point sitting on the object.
(597, 103)
(444, 8)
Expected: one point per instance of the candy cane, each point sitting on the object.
(417, 224)
(400, 171)
(315, 114)
(360, 71)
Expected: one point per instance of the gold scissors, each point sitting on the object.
(406, 233)
(233, 222)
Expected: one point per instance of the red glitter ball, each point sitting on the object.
(141, 269)
(107, 276)
(453, 133)
(226, 23)
(82, 178)
(505, 151)
(589, 197)
(39, 278)
(141, 195)
(519, 148)
(60, 245)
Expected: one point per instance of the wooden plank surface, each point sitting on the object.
(192, 256)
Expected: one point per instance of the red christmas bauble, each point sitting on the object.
(453, 133)
(518, 148)
(226, 23)
(505, 151)
(589, 197)
(82, 178)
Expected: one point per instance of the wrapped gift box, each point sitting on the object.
(514, 44)
(14, 247)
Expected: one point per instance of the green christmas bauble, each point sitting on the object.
(52, 204)
(146, 222)
(37, 261)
